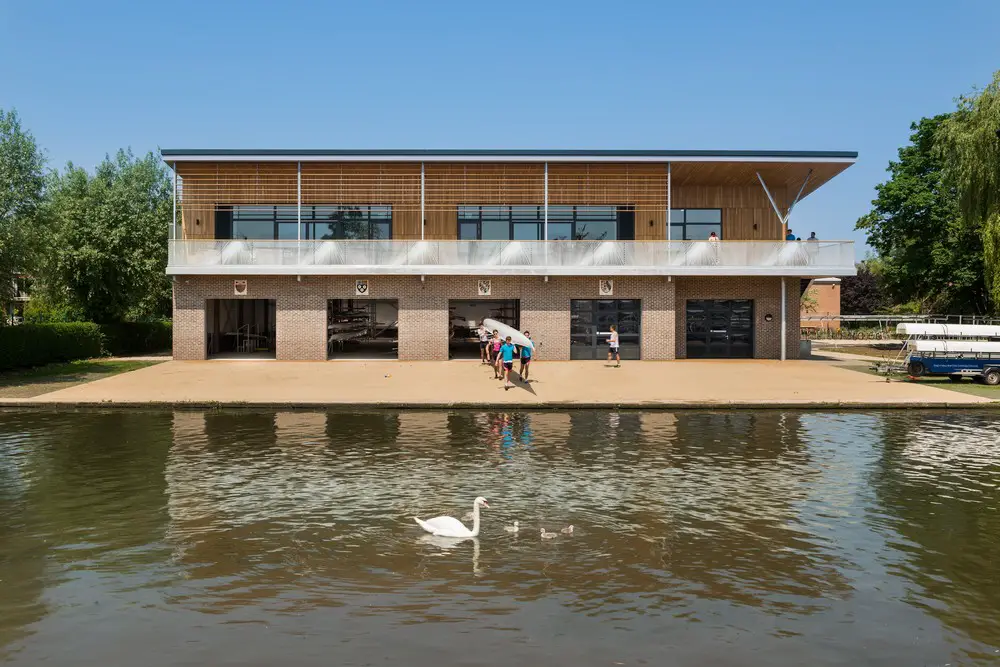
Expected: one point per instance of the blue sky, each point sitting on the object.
(89, 78)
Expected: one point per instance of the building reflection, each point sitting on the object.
(687, 505)
(936, 482)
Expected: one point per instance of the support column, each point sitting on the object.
(173, 227)
(784, 318)
(545, 223)
(668, 201)
(423, 220)
(299, 196)
(784, 218)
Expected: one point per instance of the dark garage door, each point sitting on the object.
(591, 320)
(720, 329)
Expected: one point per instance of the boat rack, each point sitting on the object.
(953, 350)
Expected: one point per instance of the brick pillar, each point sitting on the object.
(423, 321)
(301, 321)
(793, 327)
(658, 326)
(545, 313)
(189, 337)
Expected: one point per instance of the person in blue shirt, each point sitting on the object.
(506, 357)
(790, 236)
(525, 360)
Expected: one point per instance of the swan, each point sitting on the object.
(512, 529)
(568, 530)
(548, 536)
(447, 526)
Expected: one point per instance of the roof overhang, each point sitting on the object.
(488, 155)
(784, 172)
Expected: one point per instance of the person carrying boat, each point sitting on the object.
(495, 345)
(506, 356)
(525, 359)
(484, 340)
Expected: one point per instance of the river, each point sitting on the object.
(700, 538)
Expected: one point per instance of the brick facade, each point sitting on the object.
(424, 316)
(825, 301)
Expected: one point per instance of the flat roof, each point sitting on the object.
(455, 154)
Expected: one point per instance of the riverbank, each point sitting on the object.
(459, 384)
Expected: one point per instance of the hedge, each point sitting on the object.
(29, 345)
(131, 338)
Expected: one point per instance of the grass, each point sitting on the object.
(30, 382)
(966, 386)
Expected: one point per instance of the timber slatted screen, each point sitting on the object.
(747, 214)
(639, 185)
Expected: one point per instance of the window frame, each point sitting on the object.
(684, 224)
(575, 219)
(308, 220)
(512, 220)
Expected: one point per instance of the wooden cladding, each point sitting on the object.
(238, 183)
(448, 185)
(361, 183)
(747, 213)
(596, 184)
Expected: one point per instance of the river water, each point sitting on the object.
(700, 538)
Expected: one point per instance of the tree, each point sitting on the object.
(862, 294)
(22, 192)
(969, 146)
(111, 238)
(927, 253)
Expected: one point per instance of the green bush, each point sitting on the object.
(132, 338)
(39, 344)
(41, 310)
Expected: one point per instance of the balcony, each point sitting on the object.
(552, 258)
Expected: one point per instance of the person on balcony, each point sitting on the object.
(790, 236)
(812, 237)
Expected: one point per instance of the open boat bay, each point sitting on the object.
(723, 538)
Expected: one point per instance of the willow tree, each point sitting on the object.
(969, 144)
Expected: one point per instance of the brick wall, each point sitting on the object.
(826, 299)
(766, 295)
(423, 310)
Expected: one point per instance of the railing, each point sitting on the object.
(777, 258)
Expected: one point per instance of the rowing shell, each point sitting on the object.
(516, 336)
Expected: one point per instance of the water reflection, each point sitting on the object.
(714, 518)
(938, 486)
(795, 537)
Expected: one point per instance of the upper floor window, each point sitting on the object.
(526, 223)
(695, 224)
(326, 221)
(591, 223)
(347, 222)
(22, 285)
(500, 223)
